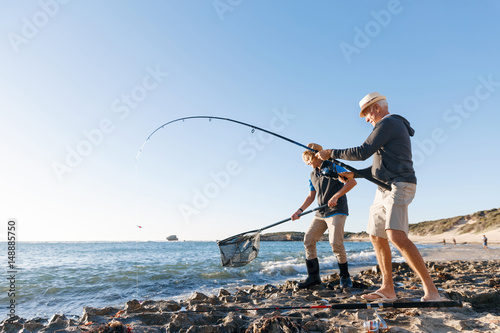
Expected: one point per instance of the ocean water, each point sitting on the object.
(64, 277)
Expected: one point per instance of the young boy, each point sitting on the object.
(326, 187)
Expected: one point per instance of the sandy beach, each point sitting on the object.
(466, 238)
(465, 273)
(493, 236)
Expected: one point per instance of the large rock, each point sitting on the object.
(97, 315)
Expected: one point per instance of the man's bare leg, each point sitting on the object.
(384, 259)
(415, 261)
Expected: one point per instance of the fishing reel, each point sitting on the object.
(376, 326)
(329, 171)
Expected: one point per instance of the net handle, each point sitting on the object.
(288, 219)
(272, 225)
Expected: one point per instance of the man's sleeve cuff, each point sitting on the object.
(333, 153)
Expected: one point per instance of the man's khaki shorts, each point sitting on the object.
(390, 209)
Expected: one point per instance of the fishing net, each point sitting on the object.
(239, 250)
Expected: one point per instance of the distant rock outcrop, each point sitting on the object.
(172, 238)
(299, 236)
(282, 236)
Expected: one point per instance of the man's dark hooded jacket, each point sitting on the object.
(390, 144)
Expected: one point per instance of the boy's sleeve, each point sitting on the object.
(311, 187)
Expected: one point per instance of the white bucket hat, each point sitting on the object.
(368, 100)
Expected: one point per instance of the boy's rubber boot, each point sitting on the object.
(313, 277)
(345, 277)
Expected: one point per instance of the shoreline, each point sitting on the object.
(466, 273)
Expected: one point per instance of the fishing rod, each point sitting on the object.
(345, 306)
(253, 127)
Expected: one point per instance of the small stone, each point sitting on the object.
(198, 297)
(223, 292)
(132, 306)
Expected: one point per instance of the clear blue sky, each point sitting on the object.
(83, 83)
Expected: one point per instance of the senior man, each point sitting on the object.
(390, 144)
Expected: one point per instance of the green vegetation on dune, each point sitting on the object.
(435, 227)
(486, 220)
(474, 223)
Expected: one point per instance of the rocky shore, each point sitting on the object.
(475, 283)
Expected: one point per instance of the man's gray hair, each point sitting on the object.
(383, 103)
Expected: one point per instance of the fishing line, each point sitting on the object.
(140, 227)
(136, 271)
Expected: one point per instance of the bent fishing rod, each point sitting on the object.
(341, 306)
(356, 172)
